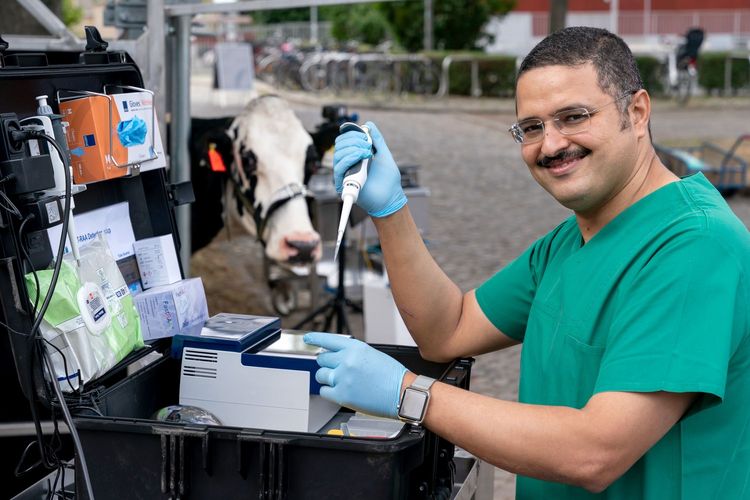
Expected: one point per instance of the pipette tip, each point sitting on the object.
(339, 238)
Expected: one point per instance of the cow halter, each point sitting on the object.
(244, 179)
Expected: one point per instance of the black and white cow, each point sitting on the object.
(268, 157)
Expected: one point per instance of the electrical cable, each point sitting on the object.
(45, 359)
(48, 298)
(28, 259)
(71, 427)
(64, 231)
(10, 207)
(44, 452)
(25, 252)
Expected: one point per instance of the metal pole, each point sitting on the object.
(155, 82)
(180, 130)
(314, 25)
(646, 17)
(557, 14)
(428, 43)
(614, 12)
(174, 10)
(48, 19)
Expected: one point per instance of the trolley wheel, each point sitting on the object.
(283, 299)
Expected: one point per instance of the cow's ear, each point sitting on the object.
(312, 162)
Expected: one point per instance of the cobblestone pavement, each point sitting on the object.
(485, 207)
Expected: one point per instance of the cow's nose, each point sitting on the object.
(304, 248)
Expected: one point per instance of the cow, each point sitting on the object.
(270, 153)
(252, 169)
(264, 154)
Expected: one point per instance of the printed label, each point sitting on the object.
(71, 325)
(95, 306)
(53, 213)
(34, 148)
(123, 320)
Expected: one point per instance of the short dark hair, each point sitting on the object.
(615, 65)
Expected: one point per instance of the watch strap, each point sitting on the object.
(422, 383)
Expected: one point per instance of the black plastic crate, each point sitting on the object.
(131, 456)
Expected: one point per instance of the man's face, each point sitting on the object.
(585, 170)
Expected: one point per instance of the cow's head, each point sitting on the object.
(271, 153)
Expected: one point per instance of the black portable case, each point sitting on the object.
(132, 456)
(23, 76)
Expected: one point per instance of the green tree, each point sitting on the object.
(358, 22)
(457, 24)
(71, 13)
(281, 15)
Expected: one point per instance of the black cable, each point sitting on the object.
(11, 208)
(65, 364)
(13, 330)
(64, 230)
(26, 136)
(71, 427)
(28, 259)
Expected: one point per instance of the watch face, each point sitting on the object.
(413, 404)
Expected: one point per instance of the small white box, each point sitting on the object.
(383, 322)
(140, 106)
(157, 261)
(171, 309)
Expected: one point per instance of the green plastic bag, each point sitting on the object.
(81, 349)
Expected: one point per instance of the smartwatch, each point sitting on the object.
(416, 397)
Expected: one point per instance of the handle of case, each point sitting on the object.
(94, 40)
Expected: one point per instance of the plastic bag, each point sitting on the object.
(91, 322)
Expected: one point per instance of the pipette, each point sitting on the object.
(354, 179)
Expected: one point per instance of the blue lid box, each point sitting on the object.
(228, 332)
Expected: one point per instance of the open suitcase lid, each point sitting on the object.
(24, 75)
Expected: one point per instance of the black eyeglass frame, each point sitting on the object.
(516, 131)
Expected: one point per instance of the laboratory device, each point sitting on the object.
(253, 376)
(354, 179)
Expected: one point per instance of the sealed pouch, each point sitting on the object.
(77, 355)
(91, 322)
(98, 266)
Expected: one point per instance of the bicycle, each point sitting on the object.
(419, 76)
(682, 66)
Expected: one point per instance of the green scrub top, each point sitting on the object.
(656, 301)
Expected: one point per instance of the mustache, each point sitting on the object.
(568, 154)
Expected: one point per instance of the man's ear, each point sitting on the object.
(640, 112)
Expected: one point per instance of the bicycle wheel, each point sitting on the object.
(267, 69)
(314, 76)
(422, 78)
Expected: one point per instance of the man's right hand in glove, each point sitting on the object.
(382, 194)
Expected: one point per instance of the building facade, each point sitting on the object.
(647, 25)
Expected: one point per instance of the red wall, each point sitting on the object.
(594, 5)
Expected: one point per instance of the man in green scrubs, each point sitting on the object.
(633, 313)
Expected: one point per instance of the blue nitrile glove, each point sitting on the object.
(382, 194)
(357, 376)
(132, 132)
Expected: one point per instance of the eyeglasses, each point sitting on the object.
(568, 122)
